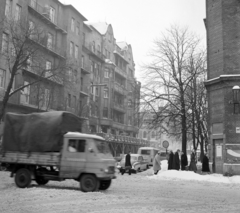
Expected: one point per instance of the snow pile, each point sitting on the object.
(165, 174)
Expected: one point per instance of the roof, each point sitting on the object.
(122, 45)
(82, 135)
(101, 27)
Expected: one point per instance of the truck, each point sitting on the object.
(49, 146)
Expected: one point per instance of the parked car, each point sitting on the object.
(137, 161)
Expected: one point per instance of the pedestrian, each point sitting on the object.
(184, 161)
(128, 165)
(192, 166)
(157, 163)
(205, 163)
(170, 160)
(176, 160)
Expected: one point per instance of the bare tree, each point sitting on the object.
(169, 76)
(25, 49)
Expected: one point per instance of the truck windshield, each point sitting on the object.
(102, 146)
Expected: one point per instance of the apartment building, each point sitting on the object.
(79, 67)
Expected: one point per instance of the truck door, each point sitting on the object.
(73, 160)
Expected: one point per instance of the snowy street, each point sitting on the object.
(169, 191)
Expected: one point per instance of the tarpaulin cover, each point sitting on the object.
(38, 132)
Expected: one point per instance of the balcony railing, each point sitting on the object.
(119, 88)
(93, 51)
(54, 49)
(84, 90)
(121, 72)
(46, 15)
(119, 107)
(85, 69)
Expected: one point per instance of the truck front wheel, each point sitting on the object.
(105, 184)
(23, 178)
(89, 183)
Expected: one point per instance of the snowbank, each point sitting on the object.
(165, 174)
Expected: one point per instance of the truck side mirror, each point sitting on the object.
(90, 150)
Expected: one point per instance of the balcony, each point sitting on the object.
(84, 90)
(44, 75)
(121, 72)
(50, 48)
(93, 52)
(120, 53)
(85, 69)
(45, 15)
(119, 107)
(119, 88)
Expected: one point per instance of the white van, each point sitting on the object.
(148, 153)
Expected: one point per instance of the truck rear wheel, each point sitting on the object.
(23, 178)
(89, 183)
(105, 184)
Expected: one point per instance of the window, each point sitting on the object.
(71, 48)
(46, 98)
(33, 3)
(72, 24)
(29, 62)
(75, 76)
(105, 93)
(4, 43)
(77, 30)
(130, 103)
(76, 51)
(93, 46)
(74, 101)
(2, 77)
(129, 120)
(50, 41)
(8, 8)
(48, 68)
(18, 12)
(31, 29)
(52, 14)
(25, 93)
(75, 145)
(97, 91)
(70, 75)
(69, 100)
(91, 87)
(99, 48)
(83, 38)
(82, 61)
(106, 73)
(105, 112)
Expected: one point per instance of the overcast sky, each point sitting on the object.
(139, 22)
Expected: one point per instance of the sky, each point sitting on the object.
(139, 22)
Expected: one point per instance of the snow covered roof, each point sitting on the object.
(122, 45)
(101, 27)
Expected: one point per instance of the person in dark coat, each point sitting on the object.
(170, 160)
(184, 161)
(176, 160)
(192, 166)
(205, 163)
(128, 164)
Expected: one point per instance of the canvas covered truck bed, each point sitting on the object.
(37, 132)
(33, 158)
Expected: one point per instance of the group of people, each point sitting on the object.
(175, 162)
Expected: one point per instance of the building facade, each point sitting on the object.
(82, 69)
(223, 81)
